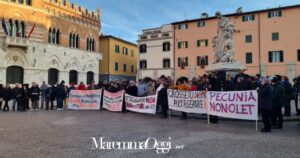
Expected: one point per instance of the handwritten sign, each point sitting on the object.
(187, 101)
(238, 105)
(113, 101)
(84, 100)
(141, 104)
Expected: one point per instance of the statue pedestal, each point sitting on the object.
(226, 70)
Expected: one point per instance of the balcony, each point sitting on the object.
(16, 42)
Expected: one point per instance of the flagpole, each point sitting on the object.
(31, 31)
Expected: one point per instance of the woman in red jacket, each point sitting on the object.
(81, 86)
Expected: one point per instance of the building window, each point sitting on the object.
(298, 54)
(74, 40)
(273, 14)
(21, 1)
(183, 26)
(201, 24)
(132, 68)
(276, 56)
(183, 61)
(143, 48)
(116, 66)
(90, 44)
(132, 53)
(166, 63)
(117, 48)
(202, 61)
(125, 51)
(275, 36)
(183, 44)
(248, 38)
(124, 68)
(201, 43)
(166, 46)
(248, 18)
(249, 58)
(53, 36)
(28, 2)
(143, 64)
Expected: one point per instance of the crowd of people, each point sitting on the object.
(274, 93)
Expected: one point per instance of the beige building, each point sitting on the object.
(48, 40)
(156, 53)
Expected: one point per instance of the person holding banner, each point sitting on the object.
(162, 99)
(183, 86)
(296, 89)
(265, 103)
(132, 89)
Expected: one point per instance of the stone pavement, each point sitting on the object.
(68, 134)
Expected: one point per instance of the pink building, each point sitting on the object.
(266, 41)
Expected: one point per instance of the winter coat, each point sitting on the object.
(15, 92)
(61, 92)
(288, 90)
(35, 93)
(7, 94)
(162, 97)
(132, 90)
(278, 95)
(265, 97)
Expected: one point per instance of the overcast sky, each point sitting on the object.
(127, 18)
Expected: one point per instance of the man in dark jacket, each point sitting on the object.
(15, 93)
(288, 96)
(265, 104)
(7, 95)
(52, 95)
(278, 103)
(296, 89)
(132, 89)
(61, 94)
(35, 96)
(162, 99)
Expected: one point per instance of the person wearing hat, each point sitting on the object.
(265, 103)
(278, 103)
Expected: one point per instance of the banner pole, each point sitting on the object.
(256, 125)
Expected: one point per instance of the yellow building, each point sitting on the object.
(119, 59)
(48, 40)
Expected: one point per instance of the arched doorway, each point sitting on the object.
(73, 77)
(14, 74)
(52, 76)
(90, 77)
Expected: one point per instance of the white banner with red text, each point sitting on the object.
(236, 104)
(84, 100)
(141, 104)
(113, 101)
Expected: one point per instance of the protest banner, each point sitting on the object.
(141, 104)
(187, 101)
(84, 100)
(236, 104)
(113, 101)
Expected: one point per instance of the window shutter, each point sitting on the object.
(269, 14)
(280, 13)
(199, 23)
(198, 61)
(179, 27)
(179, 44)
(206, 60)
(187, 26)
(179, 62)
(186, 61)
(244, 18)
(186, 44)
(270, 57)
(253, 17)
(298, 54)
(281, 56)
(206, 42)
(198, 43)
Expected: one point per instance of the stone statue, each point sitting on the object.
(223, 43)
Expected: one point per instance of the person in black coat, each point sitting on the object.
(60, 94)
(35, 96)
(162, 99)
(7, 96)
(288, 96)
(132, 89)
(1, 96)
(265, 103)
(26, 96)
(52, 95)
